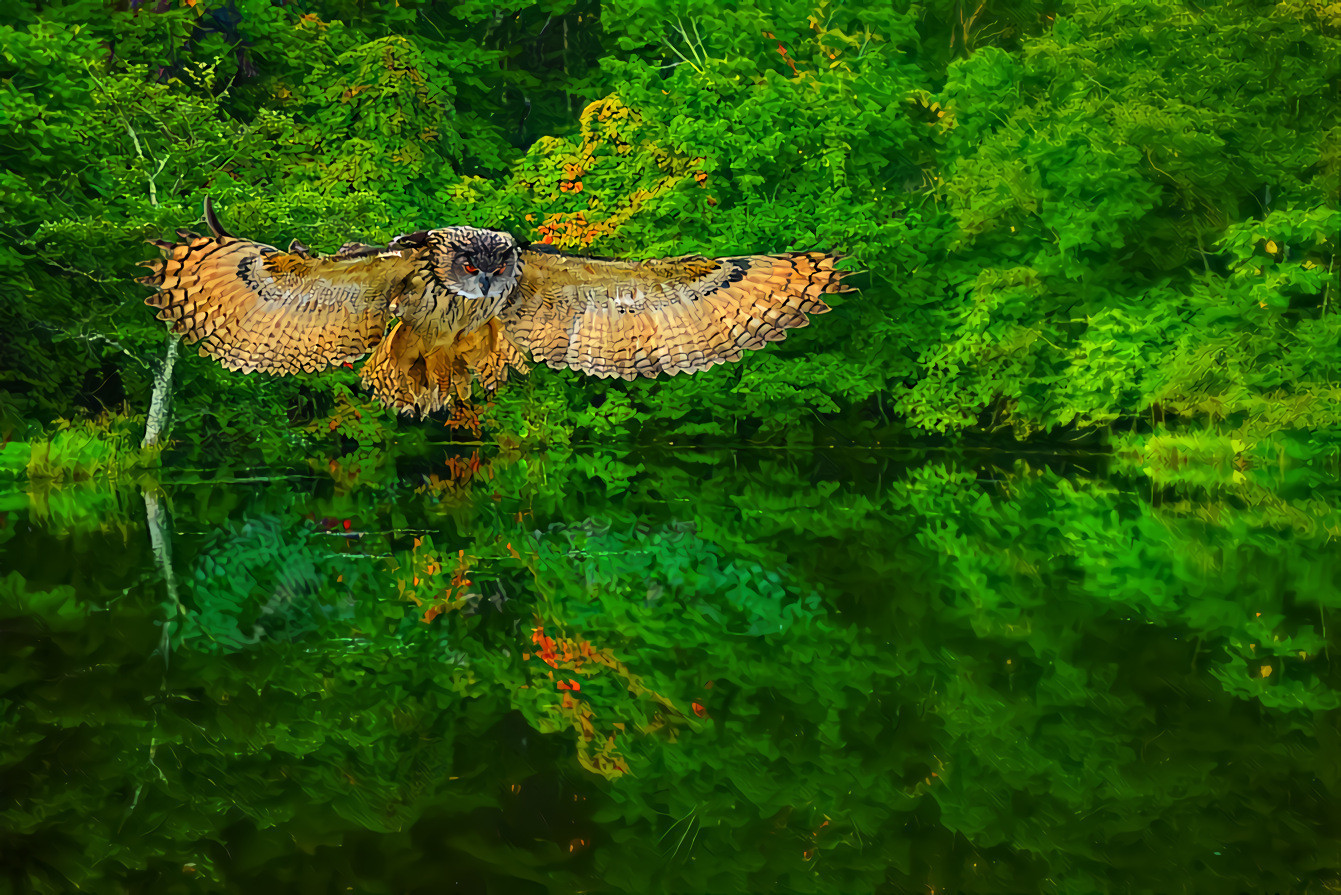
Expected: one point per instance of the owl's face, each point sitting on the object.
(475, 263)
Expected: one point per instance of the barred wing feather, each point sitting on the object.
(253, 307)
(639, 318)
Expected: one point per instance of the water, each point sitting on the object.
(674, 671)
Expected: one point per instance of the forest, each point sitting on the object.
(1012, 572)
(1072, 221)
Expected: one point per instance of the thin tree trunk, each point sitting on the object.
(160, 406)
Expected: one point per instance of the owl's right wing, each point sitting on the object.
(252, 307)
(640, 318)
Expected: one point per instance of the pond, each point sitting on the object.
(674, 671)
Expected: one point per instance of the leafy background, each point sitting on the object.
(310, 647)
(1076, 218)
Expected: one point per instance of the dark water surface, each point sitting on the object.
(670, 671)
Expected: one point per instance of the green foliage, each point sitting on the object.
(1117, 204)
(1075, 216)
(78, 451)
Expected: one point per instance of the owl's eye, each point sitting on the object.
(500, 268)
(470, 268)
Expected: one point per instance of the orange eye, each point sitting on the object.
(500, 268)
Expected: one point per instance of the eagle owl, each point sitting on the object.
(465, 303)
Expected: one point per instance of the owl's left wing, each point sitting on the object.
(252, 307)
(640, 318)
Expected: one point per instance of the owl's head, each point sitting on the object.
(475, 263)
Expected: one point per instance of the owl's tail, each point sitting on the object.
(418, 376)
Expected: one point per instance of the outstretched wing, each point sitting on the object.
(631, 318)
(253, 307)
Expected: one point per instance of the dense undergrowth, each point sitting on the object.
(1077, 219)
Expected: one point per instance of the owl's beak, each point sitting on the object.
(484, 284)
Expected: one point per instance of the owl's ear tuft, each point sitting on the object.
(212, 220)
(416, 240)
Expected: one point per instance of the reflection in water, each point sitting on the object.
(155, 519)
(681, 672)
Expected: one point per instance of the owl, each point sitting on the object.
(439, 309)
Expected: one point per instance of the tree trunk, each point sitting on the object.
(160, 406)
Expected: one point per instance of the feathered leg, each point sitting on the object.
(489, 354)
(408, 374)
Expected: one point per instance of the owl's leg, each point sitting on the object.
(408, 373)
(489, 353)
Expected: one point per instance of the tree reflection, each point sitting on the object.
(680, 672)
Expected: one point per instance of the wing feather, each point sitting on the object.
(670, 315)
(252, 307)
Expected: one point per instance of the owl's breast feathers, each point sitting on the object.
(252, 307)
